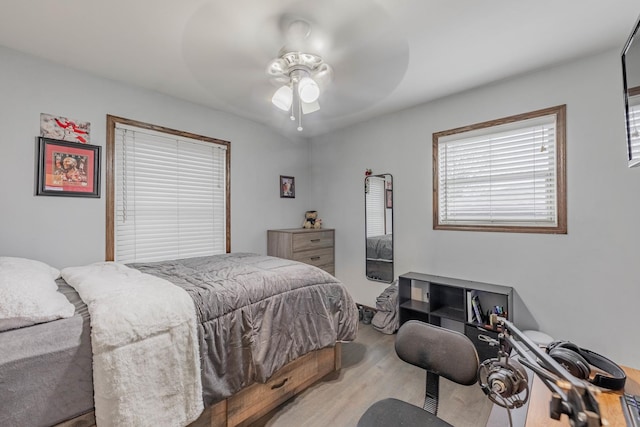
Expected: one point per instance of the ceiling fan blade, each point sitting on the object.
(366, 78)
(224, 70)
(366, 53)
(323, 76)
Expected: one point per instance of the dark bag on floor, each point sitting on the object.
(386, 318)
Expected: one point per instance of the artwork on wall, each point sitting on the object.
(64, 129)
(287, 187)
(67, 169)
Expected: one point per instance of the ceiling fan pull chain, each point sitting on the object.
(293, 116)
(298, 102)
(299, 114)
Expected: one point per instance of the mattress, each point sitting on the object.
(46, 369)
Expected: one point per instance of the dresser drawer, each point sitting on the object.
(317, 257)
(312, 240)
(315, 247)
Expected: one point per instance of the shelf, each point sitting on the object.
(414, 305)
(452, 313)
(481, 326)
(453, 305)
(458, 283)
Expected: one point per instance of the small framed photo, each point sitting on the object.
(67, 169)
(287, 187)
(389, 197)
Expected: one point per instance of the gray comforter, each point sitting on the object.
(380, 247)
(257, 313)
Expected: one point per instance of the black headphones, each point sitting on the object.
(576, 360)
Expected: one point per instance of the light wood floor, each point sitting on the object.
(371, 371)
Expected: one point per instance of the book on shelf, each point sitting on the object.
(477, 309)
(471, 315)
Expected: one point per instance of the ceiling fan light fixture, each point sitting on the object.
(302, 74)
(283, 98)
(308, 90)
(309, 107)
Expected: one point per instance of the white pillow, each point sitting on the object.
(29, 293)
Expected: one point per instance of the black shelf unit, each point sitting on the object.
(446, 302)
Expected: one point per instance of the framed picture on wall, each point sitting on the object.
(64, 129)
(389, 197)
(287, 187)
(67, 169)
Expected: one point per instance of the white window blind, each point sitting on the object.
(170, 196)
(375, 207)
(502, 175)
(634, 127)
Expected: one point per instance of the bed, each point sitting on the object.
(45, 369)
(379, 262)
(380, 247)
(266, 329)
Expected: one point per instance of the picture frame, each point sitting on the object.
(389, 198)
(67, 169)
(287, 187)
(64, 129)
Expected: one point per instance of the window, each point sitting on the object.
(502, 175)
(375, 207)
(167, 195)
(634, 124)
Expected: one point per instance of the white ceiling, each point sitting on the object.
(387, 55)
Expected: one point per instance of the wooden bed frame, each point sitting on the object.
(256, 400)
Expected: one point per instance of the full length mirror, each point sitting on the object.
(631, 79)
(378, 200)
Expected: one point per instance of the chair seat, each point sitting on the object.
(394, 412)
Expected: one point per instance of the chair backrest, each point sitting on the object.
(443, 352)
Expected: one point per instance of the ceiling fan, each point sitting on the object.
(343, 56)
(301, 74)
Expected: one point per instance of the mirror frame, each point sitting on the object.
(388, 197)
(634, 37)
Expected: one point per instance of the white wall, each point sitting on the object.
(67, 231)
(583, 286)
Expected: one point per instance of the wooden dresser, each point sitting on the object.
(315, 247)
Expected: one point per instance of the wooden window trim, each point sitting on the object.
(112, 121)
(561, 187)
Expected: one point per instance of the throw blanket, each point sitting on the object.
(146, 365)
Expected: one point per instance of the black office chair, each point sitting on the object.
(442, 353)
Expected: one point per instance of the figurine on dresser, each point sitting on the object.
(311, 220)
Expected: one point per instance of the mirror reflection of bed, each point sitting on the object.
(379, 227)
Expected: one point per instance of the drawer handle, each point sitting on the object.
(280, 384)
(315, 258)
(315, 240)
